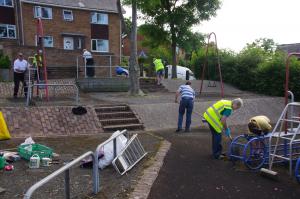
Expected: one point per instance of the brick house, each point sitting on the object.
(69, 26)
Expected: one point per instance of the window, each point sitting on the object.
(99, 18)
(42, 12)
(68, 15)
(48, 41)
(8, 3)
(99, 45)
(7, 31)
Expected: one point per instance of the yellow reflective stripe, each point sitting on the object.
(216, 111)
(214, 121)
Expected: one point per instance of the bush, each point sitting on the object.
(4, 62)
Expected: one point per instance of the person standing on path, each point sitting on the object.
(20, 68)
(186, 103)
(159, 69)
(216, 117)
(89, 62)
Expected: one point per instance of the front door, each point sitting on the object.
(68, 43)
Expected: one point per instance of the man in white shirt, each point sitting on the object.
(20, 67)
(89, 61)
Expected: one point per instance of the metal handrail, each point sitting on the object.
(96, 154)
(65, 169)
(84, 66)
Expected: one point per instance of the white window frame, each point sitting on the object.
(35, 8)
(68, 19)
(9, 27)
(44, 41)
(5, 3)
(98, 16)
(98, 50)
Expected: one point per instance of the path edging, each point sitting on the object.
(143, 187)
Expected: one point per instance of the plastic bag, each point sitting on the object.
(4, 133)
(108, 150)
(28, 140)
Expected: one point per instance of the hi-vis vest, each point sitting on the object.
(37, 62)
(158, 64)
(213, 114)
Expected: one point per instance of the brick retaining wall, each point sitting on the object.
(47, 121)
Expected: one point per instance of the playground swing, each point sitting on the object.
(217, 66)
(211, 73)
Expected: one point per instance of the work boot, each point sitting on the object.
(178, 130)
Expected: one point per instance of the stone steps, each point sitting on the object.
(124, 126)
(117, 117)
(149, 85)
(116, 121)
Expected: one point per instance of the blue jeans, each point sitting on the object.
(187, 104)
(216, 142)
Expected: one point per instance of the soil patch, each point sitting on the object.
(113, 185)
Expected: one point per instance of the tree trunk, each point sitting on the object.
(133, 64)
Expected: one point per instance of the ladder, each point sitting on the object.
(132, 153)
(286, 133)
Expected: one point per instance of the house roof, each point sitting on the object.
(101, 5)
(289, 48)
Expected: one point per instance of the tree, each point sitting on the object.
(133, 64)
(175, 18)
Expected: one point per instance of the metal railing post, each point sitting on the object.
(96, 174)
(77, 62)
(115, 147)
(67, 184)
(110, 72)
(85, 68)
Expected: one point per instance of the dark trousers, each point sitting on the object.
(19, 77)
(90, 69)
(216, 142)
(185, 104)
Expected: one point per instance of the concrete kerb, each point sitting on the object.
(143, 187)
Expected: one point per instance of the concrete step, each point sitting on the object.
(122, 114)
(116, 121)
(123, 126)
(117, 108)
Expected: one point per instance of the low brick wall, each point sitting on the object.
(115, 84)
(7, 88)
(47, 121)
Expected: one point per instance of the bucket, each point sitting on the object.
(45, 162)
(2, 162)
(34, 162)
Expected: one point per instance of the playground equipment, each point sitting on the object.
(290, 137)
(218, 65)
(37, 76)
(297, 170)
(132, 153)
(280, 146)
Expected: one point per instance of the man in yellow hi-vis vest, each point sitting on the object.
(159, 69)
(216, 116)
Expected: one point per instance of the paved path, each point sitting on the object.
(189, 172)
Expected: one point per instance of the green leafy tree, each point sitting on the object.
(173, 19)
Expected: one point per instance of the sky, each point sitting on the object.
(242, 21)
(239, 22)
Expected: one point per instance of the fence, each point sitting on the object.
(104, 65)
